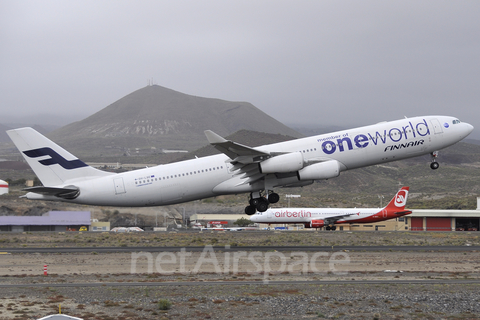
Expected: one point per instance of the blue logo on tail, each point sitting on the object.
(55, 158)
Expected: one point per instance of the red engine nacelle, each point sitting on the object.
(315, 224)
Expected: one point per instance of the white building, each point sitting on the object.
(3, 187)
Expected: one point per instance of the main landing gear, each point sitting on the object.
(260, 202)
(434, 165)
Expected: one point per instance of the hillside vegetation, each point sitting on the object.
(154, 118)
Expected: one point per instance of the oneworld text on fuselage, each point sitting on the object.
(342, 142)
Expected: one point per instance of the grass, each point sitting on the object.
(164, 304)
(403, 238)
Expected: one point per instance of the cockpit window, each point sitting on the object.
(456, 121)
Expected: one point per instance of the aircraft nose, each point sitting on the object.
(468, 128)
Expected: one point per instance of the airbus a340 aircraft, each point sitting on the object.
(328, 217)
(240, 169)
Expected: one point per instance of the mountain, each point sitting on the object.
(312, 130)
(3, 135)
(472, 141)
(160, 118)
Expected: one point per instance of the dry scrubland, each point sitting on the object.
(248, 302)
(242, 238)
(239, 300)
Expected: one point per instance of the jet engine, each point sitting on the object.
(320, 171)
(315, 224)
(289, 162)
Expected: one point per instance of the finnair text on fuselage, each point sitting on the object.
(410, 131)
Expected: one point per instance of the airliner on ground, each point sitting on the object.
(328, 217)
(240, 169)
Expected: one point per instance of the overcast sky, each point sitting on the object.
(327, 62)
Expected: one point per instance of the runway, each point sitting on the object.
(242, 283)
(245, 248)
(209, 282)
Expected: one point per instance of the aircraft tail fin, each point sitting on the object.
(52, 164)
(399, 201)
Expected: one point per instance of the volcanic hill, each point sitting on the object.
(155, 118)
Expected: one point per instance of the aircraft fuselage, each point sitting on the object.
(213, 175)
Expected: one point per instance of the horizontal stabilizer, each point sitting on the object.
(403, 212)
(70, 192)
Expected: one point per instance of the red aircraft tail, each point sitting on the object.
(397, 204)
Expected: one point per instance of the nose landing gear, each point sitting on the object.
(434, 164)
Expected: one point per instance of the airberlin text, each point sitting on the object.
(293, 214)
(409, 131)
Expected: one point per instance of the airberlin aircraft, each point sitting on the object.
(240, 169)
(328, 217)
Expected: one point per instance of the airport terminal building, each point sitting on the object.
(52, 221)
(426, 220)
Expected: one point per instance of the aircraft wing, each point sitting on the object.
(243, 158)
(235, 151)
(333, 219)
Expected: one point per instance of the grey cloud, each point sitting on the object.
(325, 62)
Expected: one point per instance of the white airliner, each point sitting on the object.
(240, 169)
(328, 217)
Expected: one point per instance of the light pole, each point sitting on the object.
(288, 196)
(381, 200)
(183, 222)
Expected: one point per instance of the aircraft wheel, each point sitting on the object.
(273, 197)
(250, 210)
(434, 165)
(334, 228)
(262, 205)
(327, 228)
